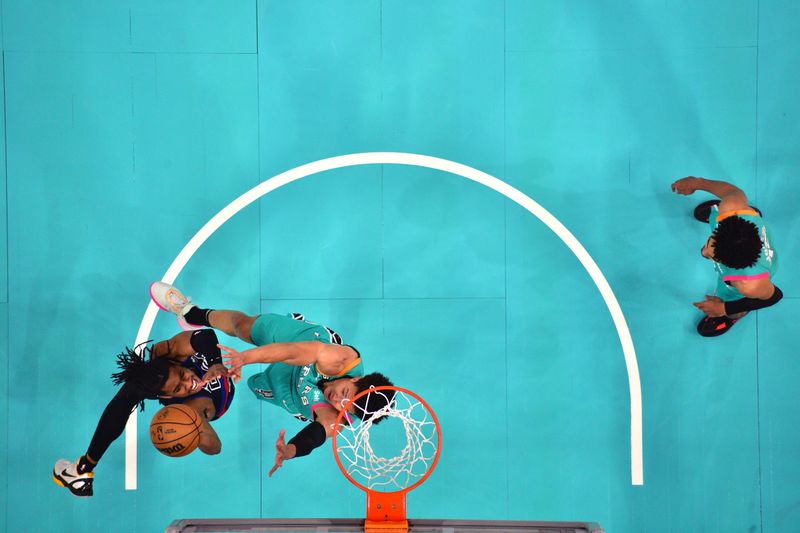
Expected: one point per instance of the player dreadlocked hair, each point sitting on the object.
(369, 404)
(736, 243)
(147, 377)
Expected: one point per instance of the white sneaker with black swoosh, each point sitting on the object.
(66, 474)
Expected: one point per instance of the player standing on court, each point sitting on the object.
(740, 248)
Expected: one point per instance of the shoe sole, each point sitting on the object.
(185, 326)
(707, 205)
(717, 332)
(61, 484)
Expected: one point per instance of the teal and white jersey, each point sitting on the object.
(764, 267)
(295, 388)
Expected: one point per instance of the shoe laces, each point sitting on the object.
(178, 301)
(72, 470)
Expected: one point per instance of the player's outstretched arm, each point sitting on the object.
(732, 197)
(331, 358)
(209, 440)
(310, 437)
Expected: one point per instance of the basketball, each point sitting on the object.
(175, 430)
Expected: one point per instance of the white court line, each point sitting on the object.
(397, 158)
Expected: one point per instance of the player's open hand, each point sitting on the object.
(214, 371)
(685, 185)
(713, 306)
(281, 449)
(234, 361)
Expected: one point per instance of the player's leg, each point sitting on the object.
(78, 477)
(233, 323)
(191, 317)
(70, 476)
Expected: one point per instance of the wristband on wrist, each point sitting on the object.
(310, 437)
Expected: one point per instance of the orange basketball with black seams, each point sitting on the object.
(175, 430)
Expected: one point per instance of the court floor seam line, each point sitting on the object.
(260, 258)
(505, 249)
(5, 184)
(6, 281)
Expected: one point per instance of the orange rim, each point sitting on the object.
(413, 395)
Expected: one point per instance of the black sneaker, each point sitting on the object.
(715, 326)
(703, 211)
(66, 474)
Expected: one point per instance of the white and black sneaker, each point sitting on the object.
(66, 474)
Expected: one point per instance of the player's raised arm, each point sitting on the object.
(732, 197)
(310, 437)
(331, 358)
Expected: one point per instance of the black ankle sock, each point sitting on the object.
(85, 465)
(197, 316)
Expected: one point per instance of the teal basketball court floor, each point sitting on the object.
(128, 125)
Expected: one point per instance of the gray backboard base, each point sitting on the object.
(347, 525)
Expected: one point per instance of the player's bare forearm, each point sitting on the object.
(291, 353)
(731, 197)
(720, 189)
(209, 440)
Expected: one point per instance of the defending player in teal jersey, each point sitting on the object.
(311, 374)
(740, 248)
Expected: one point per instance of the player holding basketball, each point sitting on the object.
(311, 373)
(185, 369)
(740, 249)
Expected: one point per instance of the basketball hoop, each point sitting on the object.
(386, 480)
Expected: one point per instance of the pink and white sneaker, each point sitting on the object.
(171, 300)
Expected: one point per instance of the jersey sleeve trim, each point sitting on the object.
(224, 404)
(727, 214)
(354, 363)
(742, 278)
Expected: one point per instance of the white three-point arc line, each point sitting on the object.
(395, 158)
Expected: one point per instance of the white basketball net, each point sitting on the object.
(385, 474)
